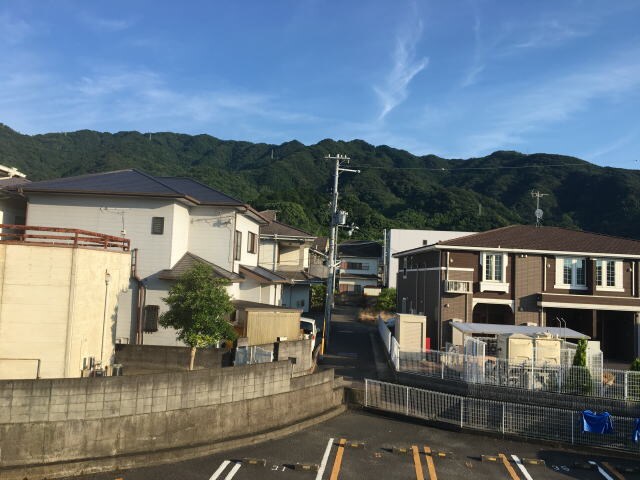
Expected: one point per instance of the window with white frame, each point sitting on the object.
(494, 272)
(571, 272)
(608, 274)
(493, 267)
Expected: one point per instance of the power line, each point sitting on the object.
(456, 169)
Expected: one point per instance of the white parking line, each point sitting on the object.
(220, 469)
(325, 458)
(601, 471)
(522, 468)
(233, 471)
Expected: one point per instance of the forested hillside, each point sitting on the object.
(394, 190)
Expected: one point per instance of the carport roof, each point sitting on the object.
(499, 329)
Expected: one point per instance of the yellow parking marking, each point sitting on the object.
(613, 470)
(430, 466)
(417, 463)
(507, 465)
(338, 461)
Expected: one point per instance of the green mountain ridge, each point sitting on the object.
(395, 189)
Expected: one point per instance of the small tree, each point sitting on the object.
(579, 378)
(318, 295)
(386, 300)
(198, 309)
(634, 379)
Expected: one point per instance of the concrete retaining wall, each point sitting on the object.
(154, 358)
(73, 420)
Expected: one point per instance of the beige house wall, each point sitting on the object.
(54, 307)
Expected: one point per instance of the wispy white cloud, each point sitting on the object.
(13, 31)
(617, 144)
(120, 98)
(552, 32)
(509, 116)
(406, 66)
(105, 24)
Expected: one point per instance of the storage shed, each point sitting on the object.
(262, 323)
(410, 332)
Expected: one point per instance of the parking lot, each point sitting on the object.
(359, 445)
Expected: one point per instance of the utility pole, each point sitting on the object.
(336, 220)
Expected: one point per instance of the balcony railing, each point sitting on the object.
(457, 286)
(68, 237)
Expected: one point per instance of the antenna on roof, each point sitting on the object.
(538, 213)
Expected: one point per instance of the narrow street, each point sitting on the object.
(354, 350)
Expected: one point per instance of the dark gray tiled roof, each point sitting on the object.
(360, 248)
(298, 276)
(199, 191)
(262, 275)
(132, 182)
(188, 260)
(246, 305)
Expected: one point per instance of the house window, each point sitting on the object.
(609, 274)
(357, 266)
(404, 267)
(157, 225)
(494, 272)
(20, 220)
(573, 273)
(237, 246)
(252, 243)
(151, 318)
(493, 267)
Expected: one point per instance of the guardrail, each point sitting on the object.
(71, 237)
(521, 420)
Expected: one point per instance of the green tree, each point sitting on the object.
(579, 379)
(318, 295)
(634, 379)
(386, 300)
(198, 309)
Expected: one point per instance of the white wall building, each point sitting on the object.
(399, 240)
(285, 250)
(172, 223)
(360, 262)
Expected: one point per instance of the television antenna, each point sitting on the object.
(538, 213)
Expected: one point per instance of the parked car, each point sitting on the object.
(308, 326)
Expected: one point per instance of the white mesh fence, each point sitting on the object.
(596, 381)
(527, 421)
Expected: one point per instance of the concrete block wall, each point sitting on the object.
(151, 358)
(72, 420)
(27, 401)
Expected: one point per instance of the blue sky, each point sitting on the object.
(454, 78)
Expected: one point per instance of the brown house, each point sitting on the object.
(526, 275)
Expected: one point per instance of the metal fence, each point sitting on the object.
(452, 364)
(521, 420)
(606, 383)
(251, 355)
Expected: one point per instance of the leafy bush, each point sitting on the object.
(318, 295)
(386, 300)
(634, 379)
(579, 379)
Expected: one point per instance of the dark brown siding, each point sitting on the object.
(527, 285)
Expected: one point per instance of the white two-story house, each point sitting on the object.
(172, 222)
(286, 251)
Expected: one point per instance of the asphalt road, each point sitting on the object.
(350, 352)
(369, 441)
(376, 458)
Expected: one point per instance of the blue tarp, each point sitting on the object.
(596, 422)
(635, 435)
